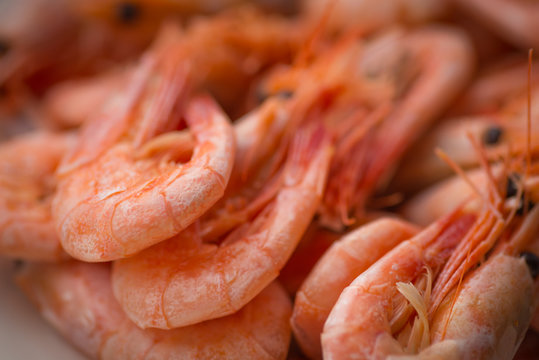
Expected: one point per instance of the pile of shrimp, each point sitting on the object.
(233, 179)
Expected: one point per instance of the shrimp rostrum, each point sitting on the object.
(463, 288)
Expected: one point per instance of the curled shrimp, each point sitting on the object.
(139, 201)
(196, 281)
(336, 269)
(27, 166)
(443, 274)
(76, 298)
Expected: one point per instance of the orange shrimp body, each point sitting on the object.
(226, 53)
(376, 99)
(338, 267)
(439, 272)
(186, 282)
(493, 111)
(515, 21)
(371, 15)
(77, 299)
(27, 166)
(111, 203)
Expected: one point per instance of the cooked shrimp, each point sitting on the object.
(370, 321)
(338, 267)
(77, 299)
(444, 197)
(139, 201)
(515, 21)
(256, 174)
(371, 15)
(195, 282)
(406, 97)
(69, 104)
(495, 113)
(310, 249)
(27, 165)
(227, 52)
(45, 42)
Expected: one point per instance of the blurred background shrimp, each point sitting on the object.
(27, 184)
(369, 15)
(493, 110)
(228, 51)
(76, 298)
(376, 99)
(515, 21)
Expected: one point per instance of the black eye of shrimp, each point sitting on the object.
(4, 47)
(511, 188)
(533, 263)
(492, 135)
(262, 95)
(285, 94)
(127, 12)
(529, 205)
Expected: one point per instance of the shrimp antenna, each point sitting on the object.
(442, 155)
(528, 127)
(307, 50)
(488, 170)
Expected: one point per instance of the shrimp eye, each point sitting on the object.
(492, 135)
(4, 47)
(262, 95)
(520, 210)
(285, 94)
(532, 261)
(18, 264)
(511, 188)
(127, 12)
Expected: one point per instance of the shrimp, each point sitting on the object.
(197, 281)
(27, 165)
(226, 51)
(342, 263)
(494, 111)
(312, 246)
(439, 272)
(76, 298)
(444, 197)
(139, 201)
(372, 15)
(70, 103)
(514, 21)
(375, 92)
(45, 42)
(256, 174)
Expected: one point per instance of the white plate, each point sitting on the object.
(24, 334)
